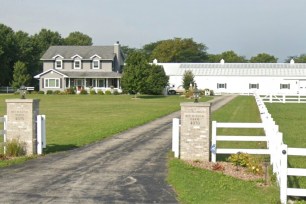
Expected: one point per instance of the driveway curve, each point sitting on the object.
(129, 167)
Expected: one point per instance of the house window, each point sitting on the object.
(284, 86)
(101, 83)
(221, 86)
(96, 64)
(77, 64)
(253, 86)
(52, 83)
(58, 64)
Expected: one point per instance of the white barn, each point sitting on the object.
(263, 78)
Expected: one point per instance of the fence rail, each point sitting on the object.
(299, 98)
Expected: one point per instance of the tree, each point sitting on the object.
(228, 56)
(157, 80)
(263, 58)
(297, 59)
(134, 73)
(45, 38)
(141, 77)
(20, 76)
(188, 78)
(77, 38)
(8, 50)
(177, 50)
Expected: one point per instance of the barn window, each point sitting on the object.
(253, 86)
(284, 86)
(221, 86)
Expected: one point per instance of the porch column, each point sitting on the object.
(69, 83)
(106, 83)
(118, 83)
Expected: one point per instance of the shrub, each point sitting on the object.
(83, 92)
(92, 92)
(100, 92)
(49, 92)
(41, 92)
(57, 92)
(15, 148)
(116, 92)
(108, 92)
(245, 160)
(34, 92)
(70, 90)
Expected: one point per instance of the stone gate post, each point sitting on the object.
(21, 122)
(195, 131)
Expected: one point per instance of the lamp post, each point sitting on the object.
(196, 93)
(23, 91)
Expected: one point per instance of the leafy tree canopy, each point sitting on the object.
(228, 57)
(297, 59)
(77, 38)
(141, 77)
(177, 50)
(263, 58)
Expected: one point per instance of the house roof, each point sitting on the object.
(50, 70)
(236, 69)
(91, 74)
(86, 52)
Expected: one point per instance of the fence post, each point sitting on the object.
(284, 98)
(213, 148)
(175, 136)
(4, 135)
(39, 135)
(271, 98)
(283, 172)
(44, 138)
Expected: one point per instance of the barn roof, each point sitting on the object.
(236, 69)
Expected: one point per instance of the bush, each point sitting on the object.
(245, 160)
(116, 92)
(49, 92)
(34, 92)
(70, 90)
(92, 92)
(100, 92)
(15, 148)
(83, 92)
(108, 92)
(57, 92)
(41, 92)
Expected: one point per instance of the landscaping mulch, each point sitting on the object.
(227, 169)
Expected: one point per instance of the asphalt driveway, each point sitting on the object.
(128, 168)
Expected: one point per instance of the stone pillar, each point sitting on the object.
(21, 122)
(195, 130)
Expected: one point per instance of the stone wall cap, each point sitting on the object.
(192, 104)
(21, 100)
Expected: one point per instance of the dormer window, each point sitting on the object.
(58, 64)
(96, 64)
(77, 64)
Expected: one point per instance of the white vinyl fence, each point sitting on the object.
(284, 98)
(276, 148)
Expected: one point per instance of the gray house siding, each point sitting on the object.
(59, 83)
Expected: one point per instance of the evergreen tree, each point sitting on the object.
(188, 78)
(20, 75)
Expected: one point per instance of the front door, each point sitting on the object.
(79, 84)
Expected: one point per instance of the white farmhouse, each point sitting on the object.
(263, 78)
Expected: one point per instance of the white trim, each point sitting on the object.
(80, 64)
(50, 70)
(93, 64)
(74, 56)
(95, 55)
(61, 64)
(56, 56)
(57, 82)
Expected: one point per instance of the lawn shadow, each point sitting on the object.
(51, 148)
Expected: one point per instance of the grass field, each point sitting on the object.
(195, 185)
(77, 120)
(291, 119)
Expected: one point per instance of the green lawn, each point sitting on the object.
(291, 119)
(194, 185)
(77, 120)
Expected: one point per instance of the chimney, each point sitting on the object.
(222, 61)
(120, 60)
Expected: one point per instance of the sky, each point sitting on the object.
(248, 27)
